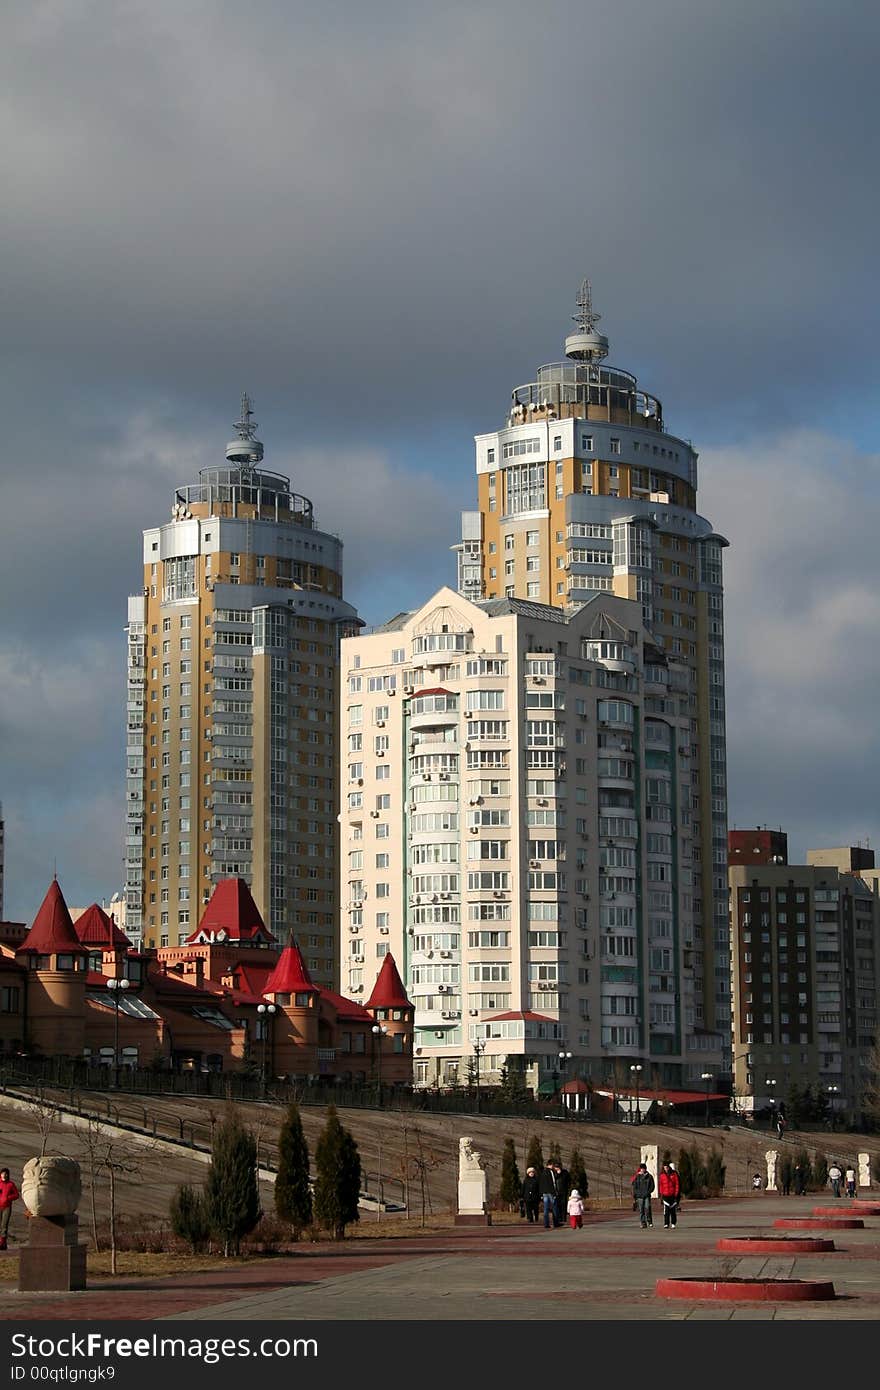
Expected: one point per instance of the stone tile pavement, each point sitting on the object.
(605, 1272)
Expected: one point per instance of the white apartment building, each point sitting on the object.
(516, 829)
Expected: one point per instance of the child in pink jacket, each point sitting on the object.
(575, 1210)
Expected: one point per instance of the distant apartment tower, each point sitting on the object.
(805, 971)
(583, 490)
(233, 648)
(517, 832)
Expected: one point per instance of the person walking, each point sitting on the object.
(850, 1180)
(669, 1187)
(9, 1193)
(531, 1194)
(575, 1208)
(563, 1187)
(549, 1190)
(835, 1176)
(800, 1180)
(642, 1187)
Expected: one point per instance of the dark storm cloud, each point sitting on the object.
(376, 218)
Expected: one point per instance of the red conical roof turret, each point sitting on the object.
(233, 912)
(94, 928)
(290, 975)
(52, 931)
(388, 991)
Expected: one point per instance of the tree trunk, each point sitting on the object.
(113, 1269)
(93, 1176)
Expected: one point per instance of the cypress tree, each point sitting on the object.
(578, 1172)
(231, 1192)
(556, 1154)
(820, 1170)
(511, 1182)
(338, 1181)
(685, 1173)
(189, 1217)
(293, 1197)
(535, 1156)
(715, 1173)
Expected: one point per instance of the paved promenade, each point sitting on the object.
(607, 1271)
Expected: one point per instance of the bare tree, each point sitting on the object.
(418, 1166)
(44, 1112)
(117, 1160)
(91, 1140)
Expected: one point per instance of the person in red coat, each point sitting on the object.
(9, 1193)
(669, 1187)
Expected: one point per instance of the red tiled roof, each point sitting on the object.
(670, 1097)
(290, 975)
(576, 1088)
(388, 991)
(52, 930)
(346, 1008)
(525, 1014)
(94, 928)
(233, 911)
(434, 690)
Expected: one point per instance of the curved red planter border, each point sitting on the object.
(776, 1245)
(865, 1208)
(821, 1223)
(745, 1290)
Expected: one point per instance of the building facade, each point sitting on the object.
(583, 490)
(805, 973)
(232, 715)
(517, 831)
(231, 998)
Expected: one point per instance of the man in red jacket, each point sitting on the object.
(9, 1193)
(669, 1187)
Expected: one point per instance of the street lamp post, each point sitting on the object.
(479, 1049)
(707, 1077)
(266, 1012)
(379, 1031)
(117, 988)
(770, 1083)
(564, 1058)
(637, 1069)
(832, 1092)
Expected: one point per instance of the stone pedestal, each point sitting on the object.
(471, 1187)
(772, 1156)
(53, 1259)
(650, 1155)
(864, 1170)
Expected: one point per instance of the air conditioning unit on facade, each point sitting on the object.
(439, 1033)
(380, 723)
(474, 1013)
(542, 801)
(445, 955)
(383, 931)
(409, 690)
(446, 1014)
(475, 830)
(375, 815)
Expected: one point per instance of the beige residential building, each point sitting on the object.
(517, 831)
(583, 490)
(805, 972)
(233, 651)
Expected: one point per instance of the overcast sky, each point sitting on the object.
(375, 218)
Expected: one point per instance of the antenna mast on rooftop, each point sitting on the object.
(246, 451)
(585, 344)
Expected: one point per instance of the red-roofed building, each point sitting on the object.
(227, 997)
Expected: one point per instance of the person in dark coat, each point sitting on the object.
(800, 1180)
(642, 1187)
(563, 1187)
(549, 1189)
(531, 1194)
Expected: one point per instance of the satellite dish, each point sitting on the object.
(220, 935)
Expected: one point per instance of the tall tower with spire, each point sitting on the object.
(232, 764)
(584, 490)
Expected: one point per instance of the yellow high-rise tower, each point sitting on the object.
(232, 762)
(584, 489)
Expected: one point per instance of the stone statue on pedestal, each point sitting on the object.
(53, 1258)
(471, 1186)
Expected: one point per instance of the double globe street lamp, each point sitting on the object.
(117, 989)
